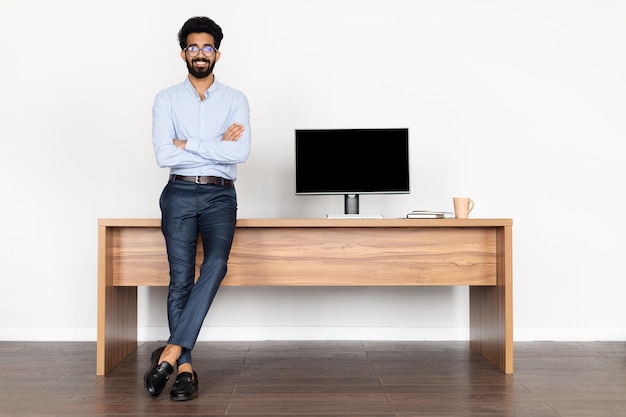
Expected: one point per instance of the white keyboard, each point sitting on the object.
(354, 216)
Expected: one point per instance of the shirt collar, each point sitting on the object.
(208, 92)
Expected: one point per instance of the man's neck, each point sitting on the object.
(201, 85)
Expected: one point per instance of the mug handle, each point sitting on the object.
(470, 205)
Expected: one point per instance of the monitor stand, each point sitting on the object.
(351, 203)
(351, 209)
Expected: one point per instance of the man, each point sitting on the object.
(201, 131)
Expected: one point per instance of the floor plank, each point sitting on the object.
(333, 378)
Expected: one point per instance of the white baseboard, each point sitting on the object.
(314, 333)
(569, 334)
(144, 334)
(48, 334)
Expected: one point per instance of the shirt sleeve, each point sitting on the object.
(163, 134)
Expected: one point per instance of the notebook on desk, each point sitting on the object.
(429, 214)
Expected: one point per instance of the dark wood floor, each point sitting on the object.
(369, 379)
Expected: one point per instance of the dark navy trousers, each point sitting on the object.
(189, 210)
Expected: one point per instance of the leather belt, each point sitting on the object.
(203, 179)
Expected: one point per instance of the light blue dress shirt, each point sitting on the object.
(178, 113)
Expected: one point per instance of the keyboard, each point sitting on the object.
(354, 216)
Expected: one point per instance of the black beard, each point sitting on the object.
(200, 73)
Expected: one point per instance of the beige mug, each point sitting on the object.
(462, 207)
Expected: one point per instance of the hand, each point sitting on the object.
(180, 143)
(234, 132)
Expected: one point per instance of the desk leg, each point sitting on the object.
(117, 311)
(491, 309)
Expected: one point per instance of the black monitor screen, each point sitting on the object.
(352, 161)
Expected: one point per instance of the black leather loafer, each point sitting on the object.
(185, 387)
(157, 375)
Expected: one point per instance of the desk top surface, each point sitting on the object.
(323, 222)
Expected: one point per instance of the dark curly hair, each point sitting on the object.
(200, 24)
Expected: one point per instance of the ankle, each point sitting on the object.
(170, 354)
(185, 367)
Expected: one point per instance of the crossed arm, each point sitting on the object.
(233, 133)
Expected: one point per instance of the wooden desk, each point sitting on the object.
(321, 252)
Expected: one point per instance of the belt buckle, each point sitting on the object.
(198, 179)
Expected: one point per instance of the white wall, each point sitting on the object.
(518, 104)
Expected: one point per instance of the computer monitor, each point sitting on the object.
(352, 162)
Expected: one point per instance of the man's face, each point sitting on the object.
(201, 65)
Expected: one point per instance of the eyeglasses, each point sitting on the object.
(194, 50)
